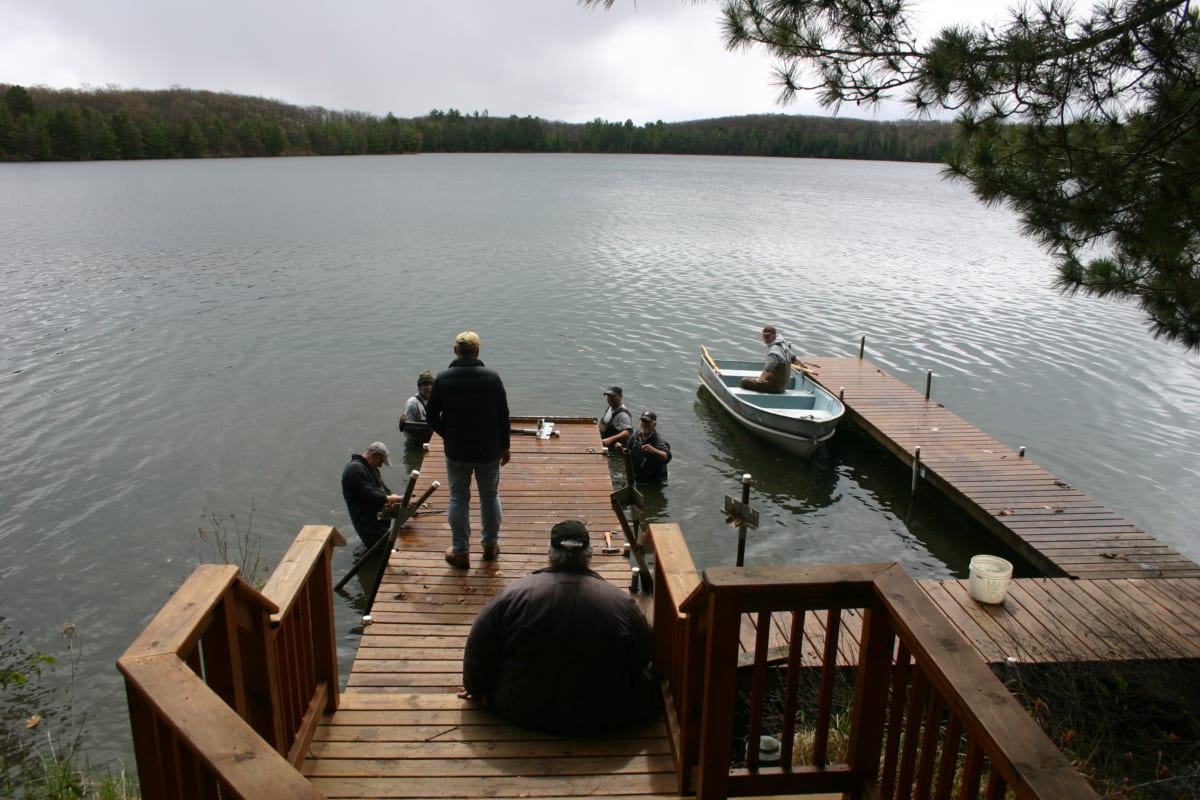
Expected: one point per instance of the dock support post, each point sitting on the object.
(928, 382)
(741, 553)
(862, 346)
(916, 467)
(842, 393)
(1021, 452)
(740, 515)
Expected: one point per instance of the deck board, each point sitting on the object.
(401, 731)
(1058, 529)
(1053, 620)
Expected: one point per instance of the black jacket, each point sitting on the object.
(365, 494)
(562, 651)
(468, 408)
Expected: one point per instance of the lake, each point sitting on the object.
(192, 343)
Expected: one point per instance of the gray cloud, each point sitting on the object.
(657, 59)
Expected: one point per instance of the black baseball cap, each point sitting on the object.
(569, 535)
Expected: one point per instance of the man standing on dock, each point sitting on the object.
(562, 650)
(468, 408)
(777, 371)
(366, 494)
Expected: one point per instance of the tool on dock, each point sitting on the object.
(544, 430)
(609, 549)
(741, 516)
(628, 495)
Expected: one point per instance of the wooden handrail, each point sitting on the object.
(226, 685)
(926, 715)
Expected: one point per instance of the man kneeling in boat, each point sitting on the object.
(777, 371)
(562, 650)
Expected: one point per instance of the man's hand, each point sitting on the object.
(505, 456)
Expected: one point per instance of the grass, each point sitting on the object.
(42, 731)
(230, 543)
(1133, 728)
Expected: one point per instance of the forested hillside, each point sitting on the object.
(40, 124)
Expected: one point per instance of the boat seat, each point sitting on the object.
(802, 400)
(733, 377)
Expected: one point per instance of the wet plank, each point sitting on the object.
(401, 731)
(1058, 529)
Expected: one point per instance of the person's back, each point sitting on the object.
(573, 656)
(469, 408)
(562, 650)
(779, 364)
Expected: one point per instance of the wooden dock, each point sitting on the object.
(401, 731)
(1057, 620)
(1041, 621)
(1058, 529)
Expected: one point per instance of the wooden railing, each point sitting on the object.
(226, 684)
(926, 717)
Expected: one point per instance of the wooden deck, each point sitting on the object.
(401, 731)
(1053, 620)
(1058, 529)
(1042, 620)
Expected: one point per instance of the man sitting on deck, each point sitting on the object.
(777, 370)
(562, 650)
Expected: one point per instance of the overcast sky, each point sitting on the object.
(645, 60)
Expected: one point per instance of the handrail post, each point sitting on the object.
(871, 693)
(720, 694)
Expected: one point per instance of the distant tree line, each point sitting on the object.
(40, 124)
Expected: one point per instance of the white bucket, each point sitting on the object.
(989, 578)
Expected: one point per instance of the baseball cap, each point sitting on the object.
(614, 390)
(569, 535)
(650, 415)
(381, 448)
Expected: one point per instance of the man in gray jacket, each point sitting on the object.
(562, 650)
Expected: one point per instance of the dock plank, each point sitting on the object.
(401, 731)
(1010, 495)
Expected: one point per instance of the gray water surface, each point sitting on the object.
(188, 339)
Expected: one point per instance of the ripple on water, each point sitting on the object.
(183, 339)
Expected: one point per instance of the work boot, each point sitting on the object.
(491, 552)
(458, 560)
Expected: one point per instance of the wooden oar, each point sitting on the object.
(708, 357)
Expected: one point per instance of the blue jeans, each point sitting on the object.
(487, 480)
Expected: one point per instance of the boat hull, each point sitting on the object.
(797, 420)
